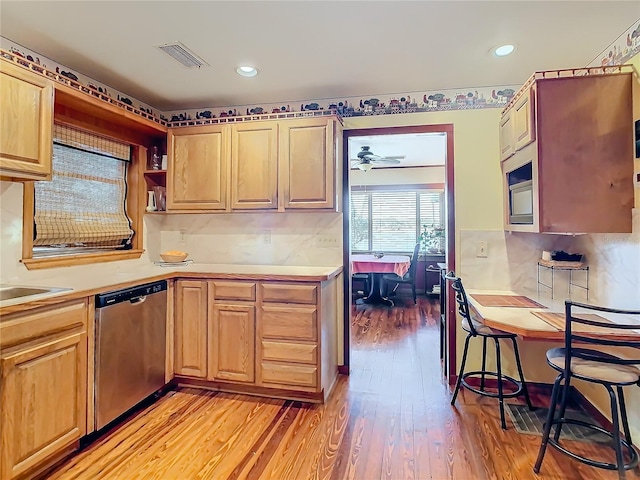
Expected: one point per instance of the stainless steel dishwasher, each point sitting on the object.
(130, 348)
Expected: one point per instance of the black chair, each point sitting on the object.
(592, 365)
(476, 329)
(408, 278)
(364, 278)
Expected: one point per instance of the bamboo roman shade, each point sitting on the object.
(83, 206)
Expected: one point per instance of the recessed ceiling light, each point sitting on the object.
(504, 50)
(247, 71)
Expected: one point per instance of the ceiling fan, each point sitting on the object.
(367, 159)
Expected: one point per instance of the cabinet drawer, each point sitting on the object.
(289, 293)
(289, 352)
(234, 291)
(289, 322)
(21, 327)
(299, 375)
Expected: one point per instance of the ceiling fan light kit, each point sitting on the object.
(365, 166)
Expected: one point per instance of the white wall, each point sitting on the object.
(398, 176)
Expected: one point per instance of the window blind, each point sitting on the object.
(392, 220)
(83, 206)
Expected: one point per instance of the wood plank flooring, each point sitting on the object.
(390, 419)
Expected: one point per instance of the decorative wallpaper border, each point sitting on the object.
(624, 48)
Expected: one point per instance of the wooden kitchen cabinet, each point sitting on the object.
(191, 310)
(254, 166)
(307, 164)
(265, 165)
(264, 337)
(288, 342)
(507, 144)
(524, 129)
(575, 146)
(43, 387)
(197, 175)
(26, 124)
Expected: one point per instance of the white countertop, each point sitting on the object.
(90, 283)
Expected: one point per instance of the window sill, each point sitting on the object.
(80, 259)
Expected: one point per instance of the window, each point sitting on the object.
(391, 220)
(81, 215)
(83, 206)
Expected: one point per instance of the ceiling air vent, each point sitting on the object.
(182, 54)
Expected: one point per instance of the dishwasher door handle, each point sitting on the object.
(137, 300)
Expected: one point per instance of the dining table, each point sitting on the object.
(529, 315)
(377, 266)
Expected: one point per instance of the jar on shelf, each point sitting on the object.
(156, 159)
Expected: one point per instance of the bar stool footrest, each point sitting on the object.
(633, 454)
(515, 383)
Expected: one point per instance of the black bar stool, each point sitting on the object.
(476, 329)
(594, 366)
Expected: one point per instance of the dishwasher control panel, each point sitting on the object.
(127, 294)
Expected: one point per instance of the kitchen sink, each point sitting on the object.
(10, 292)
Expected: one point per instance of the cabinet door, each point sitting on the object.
(507, 146)
(26, 123)
(197, 170)
(523, 122)
(232, 345)
(43, 393)
(191, 328)
(307, 164)
(254, 166)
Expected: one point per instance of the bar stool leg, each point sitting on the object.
(464, 360)
(617, 445)
(623, 414)
(519, 365)
(563, 408)
(484, 362)
(500, 395)
(548, 424)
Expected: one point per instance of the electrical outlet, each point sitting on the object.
(266, 237)
(182, 236)
(481, 249)
(326, 240)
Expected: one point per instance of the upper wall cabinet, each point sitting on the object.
(26, 123)
(572, 170)
(273, 165)
(254, 166)
(198, 170)
(307, 164)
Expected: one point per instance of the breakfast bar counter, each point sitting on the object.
(530, 316)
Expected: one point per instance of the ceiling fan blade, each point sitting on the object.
(394, 157)
(386, 160)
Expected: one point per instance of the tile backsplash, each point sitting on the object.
(311, 239)
(511, 263)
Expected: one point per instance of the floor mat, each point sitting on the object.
(528, 422)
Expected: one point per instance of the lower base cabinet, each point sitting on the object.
(232, 343)
(43, 387)
(266, 336)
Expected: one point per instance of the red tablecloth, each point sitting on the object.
(398, 264)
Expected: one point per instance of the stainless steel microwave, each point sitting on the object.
(521, 203)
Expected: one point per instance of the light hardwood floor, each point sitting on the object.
(390, 419)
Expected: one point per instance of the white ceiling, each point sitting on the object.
(308, 50)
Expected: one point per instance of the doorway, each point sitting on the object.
(449, 331)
